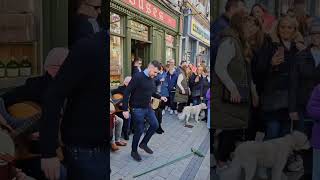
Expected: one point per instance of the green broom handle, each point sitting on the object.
(168, 163)
(171, 162)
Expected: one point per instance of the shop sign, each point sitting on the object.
(115, 26)
(169, 40)
(139, 31)
(198, 31)
(153, 11)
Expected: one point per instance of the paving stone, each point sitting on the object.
(175, 142)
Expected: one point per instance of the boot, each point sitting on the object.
(126, 136)
(160, 128)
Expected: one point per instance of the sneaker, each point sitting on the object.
(171, 112)
(158, 131)
(146, 148)
(114, 147)
(176, 112)
(136, 156)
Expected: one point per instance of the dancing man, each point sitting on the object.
(138, 93)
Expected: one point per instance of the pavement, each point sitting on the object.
(175, 142)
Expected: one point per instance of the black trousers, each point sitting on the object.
(126, 122)
(227, 143)
(158, 112)
(181, 106)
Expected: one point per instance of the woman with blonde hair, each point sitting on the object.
(272, 66)
(182, 89)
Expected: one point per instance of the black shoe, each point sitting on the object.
(126, 137)
(136, 156)
(146, 148)
(159, 131)
(160, 128)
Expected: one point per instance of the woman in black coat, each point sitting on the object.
(271, 68)
(199, 84)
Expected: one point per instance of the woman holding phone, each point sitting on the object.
(275, 63)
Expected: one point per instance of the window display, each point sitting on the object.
(115, 60)
(20, 43)
(170, 47)
(170, 53)
(115, 25)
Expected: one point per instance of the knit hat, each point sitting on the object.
(315, 26)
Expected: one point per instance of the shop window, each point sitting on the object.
(115, 25)
(170, 53)
(20, 42)
(116, 54)
(170, 50)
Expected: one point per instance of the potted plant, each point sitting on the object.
(25, 67)
(12, 69)
(2, 69)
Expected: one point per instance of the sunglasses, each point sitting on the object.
(95, 7)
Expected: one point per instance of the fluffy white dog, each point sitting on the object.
(192, 110)
(273, 154)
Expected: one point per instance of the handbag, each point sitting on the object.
(244, 92)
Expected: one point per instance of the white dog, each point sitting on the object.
(192, 110)
(272, 154)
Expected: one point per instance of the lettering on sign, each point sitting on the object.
(139, 31)
(198, 31)
(153, 11)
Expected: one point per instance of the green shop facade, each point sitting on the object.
(146, 29)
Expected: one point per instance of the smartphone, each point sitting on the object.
(281, 51)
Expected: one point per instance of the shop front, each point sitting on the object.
(196, 45)
(143, 29)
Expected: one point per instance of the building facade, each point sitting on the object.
(196, 32)
(275, 7)
(147, 29)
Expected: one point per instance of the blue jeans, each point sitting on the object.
(196, 101)
(87, 163)
(316, 164)
(172, 104)
(139, 116)
(277, 124)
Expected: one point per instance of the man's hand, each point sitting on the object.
(294, 116)
(51, 168)
(164, 99)
(126, 114)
